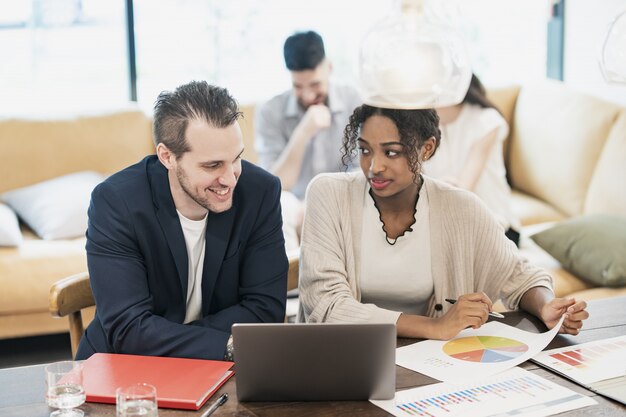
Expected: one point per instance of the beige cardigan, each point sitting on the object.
(469, 250)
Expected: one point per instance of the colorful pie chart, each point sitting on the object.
(487, 349)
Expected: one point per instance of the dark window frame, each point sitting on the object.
(556, 41)
(132, 61)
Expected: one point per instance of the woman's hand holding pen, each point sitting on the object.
(469, 310)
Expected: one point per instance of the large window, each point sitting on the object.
(238, 44)
(59, 54)
(506, 38)
(62, 54)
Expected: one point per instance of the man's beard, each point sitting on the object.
(319, 100)
(203, 201)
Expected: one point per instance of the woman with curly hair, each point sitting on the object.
(390, 245)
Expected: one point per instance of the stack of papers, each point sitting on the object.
(515, 392)
(599, 366)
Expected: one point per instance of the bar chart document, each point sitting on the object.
(515, 392)
(599, 366)
(493, 348)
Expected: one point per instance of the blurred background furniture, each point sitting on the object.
(39, 149)
(565, 159)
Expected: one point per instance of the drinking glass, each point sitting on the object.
(137, 400)
(64, 388)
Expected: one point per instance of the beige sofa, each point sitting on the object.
(565, 157)
(34, 150)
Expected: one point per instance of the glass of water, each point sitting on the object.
(64, 388)
(138, 400)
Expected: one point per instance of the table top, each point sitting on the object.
(22, 388)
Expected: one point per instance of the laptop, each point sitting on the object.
(314, 362)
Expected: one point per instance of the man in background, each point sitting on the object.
(299, 132)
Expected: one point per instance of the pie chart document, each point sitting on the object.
(493, 348)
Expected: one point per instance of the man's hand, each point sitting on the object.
(574, 312)
(316, 118)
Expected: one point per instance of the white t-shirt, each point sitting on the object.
(194, 232)
(457, 138)
(396, 277)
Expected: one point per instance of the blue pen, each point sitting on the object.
(491, 313)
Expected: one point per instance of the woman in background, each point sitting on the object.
(390, 245)
(471, 154)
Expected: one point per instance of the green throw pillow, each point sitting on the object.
(592, 247)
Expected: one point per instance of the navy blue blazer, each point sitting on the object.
(137, 262)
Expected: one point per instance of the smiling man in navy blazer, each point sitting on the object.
(188, 241)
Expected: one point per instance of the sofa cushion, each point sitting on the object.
(564, 281)
(57, 208)
(10, 234)
(38, 149)
(530, 210)
(556, 141)
(607, 190)
(246, 122)
(504, 99)
(28, 272)
(591, 246)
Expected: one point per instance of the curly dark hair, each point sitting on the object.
(414, 126)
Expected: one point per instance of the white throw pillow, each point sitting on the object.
(10, 234)
(57, 208)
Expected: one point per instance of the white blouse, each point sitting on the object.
(457, 139)
(396, 277)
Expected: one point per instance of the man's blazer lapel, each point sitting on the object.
(218, 235)
(168, 219)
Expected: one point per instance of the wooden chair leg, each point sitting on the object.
(76, 330)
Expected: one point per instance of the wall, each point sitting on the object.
(586, 24)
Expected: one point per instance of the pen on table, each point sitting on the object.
(219, 402)
(491, 313)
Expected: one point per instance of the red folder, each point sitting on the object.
(180, 383)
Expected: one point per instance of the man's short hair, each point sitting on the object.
(304, 51)
(195, 100)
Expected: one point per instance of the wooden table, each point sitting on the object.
(22, 388)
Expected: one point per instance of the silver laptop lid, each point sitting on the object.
(314, 362)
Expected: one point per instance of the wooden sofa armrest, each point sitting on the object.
(67, 298)
(292, 274)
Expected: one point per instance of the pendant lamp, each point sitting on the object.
(409, 62)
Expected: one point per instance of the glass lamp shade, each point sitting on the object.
(613, 55)
(406, 62)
